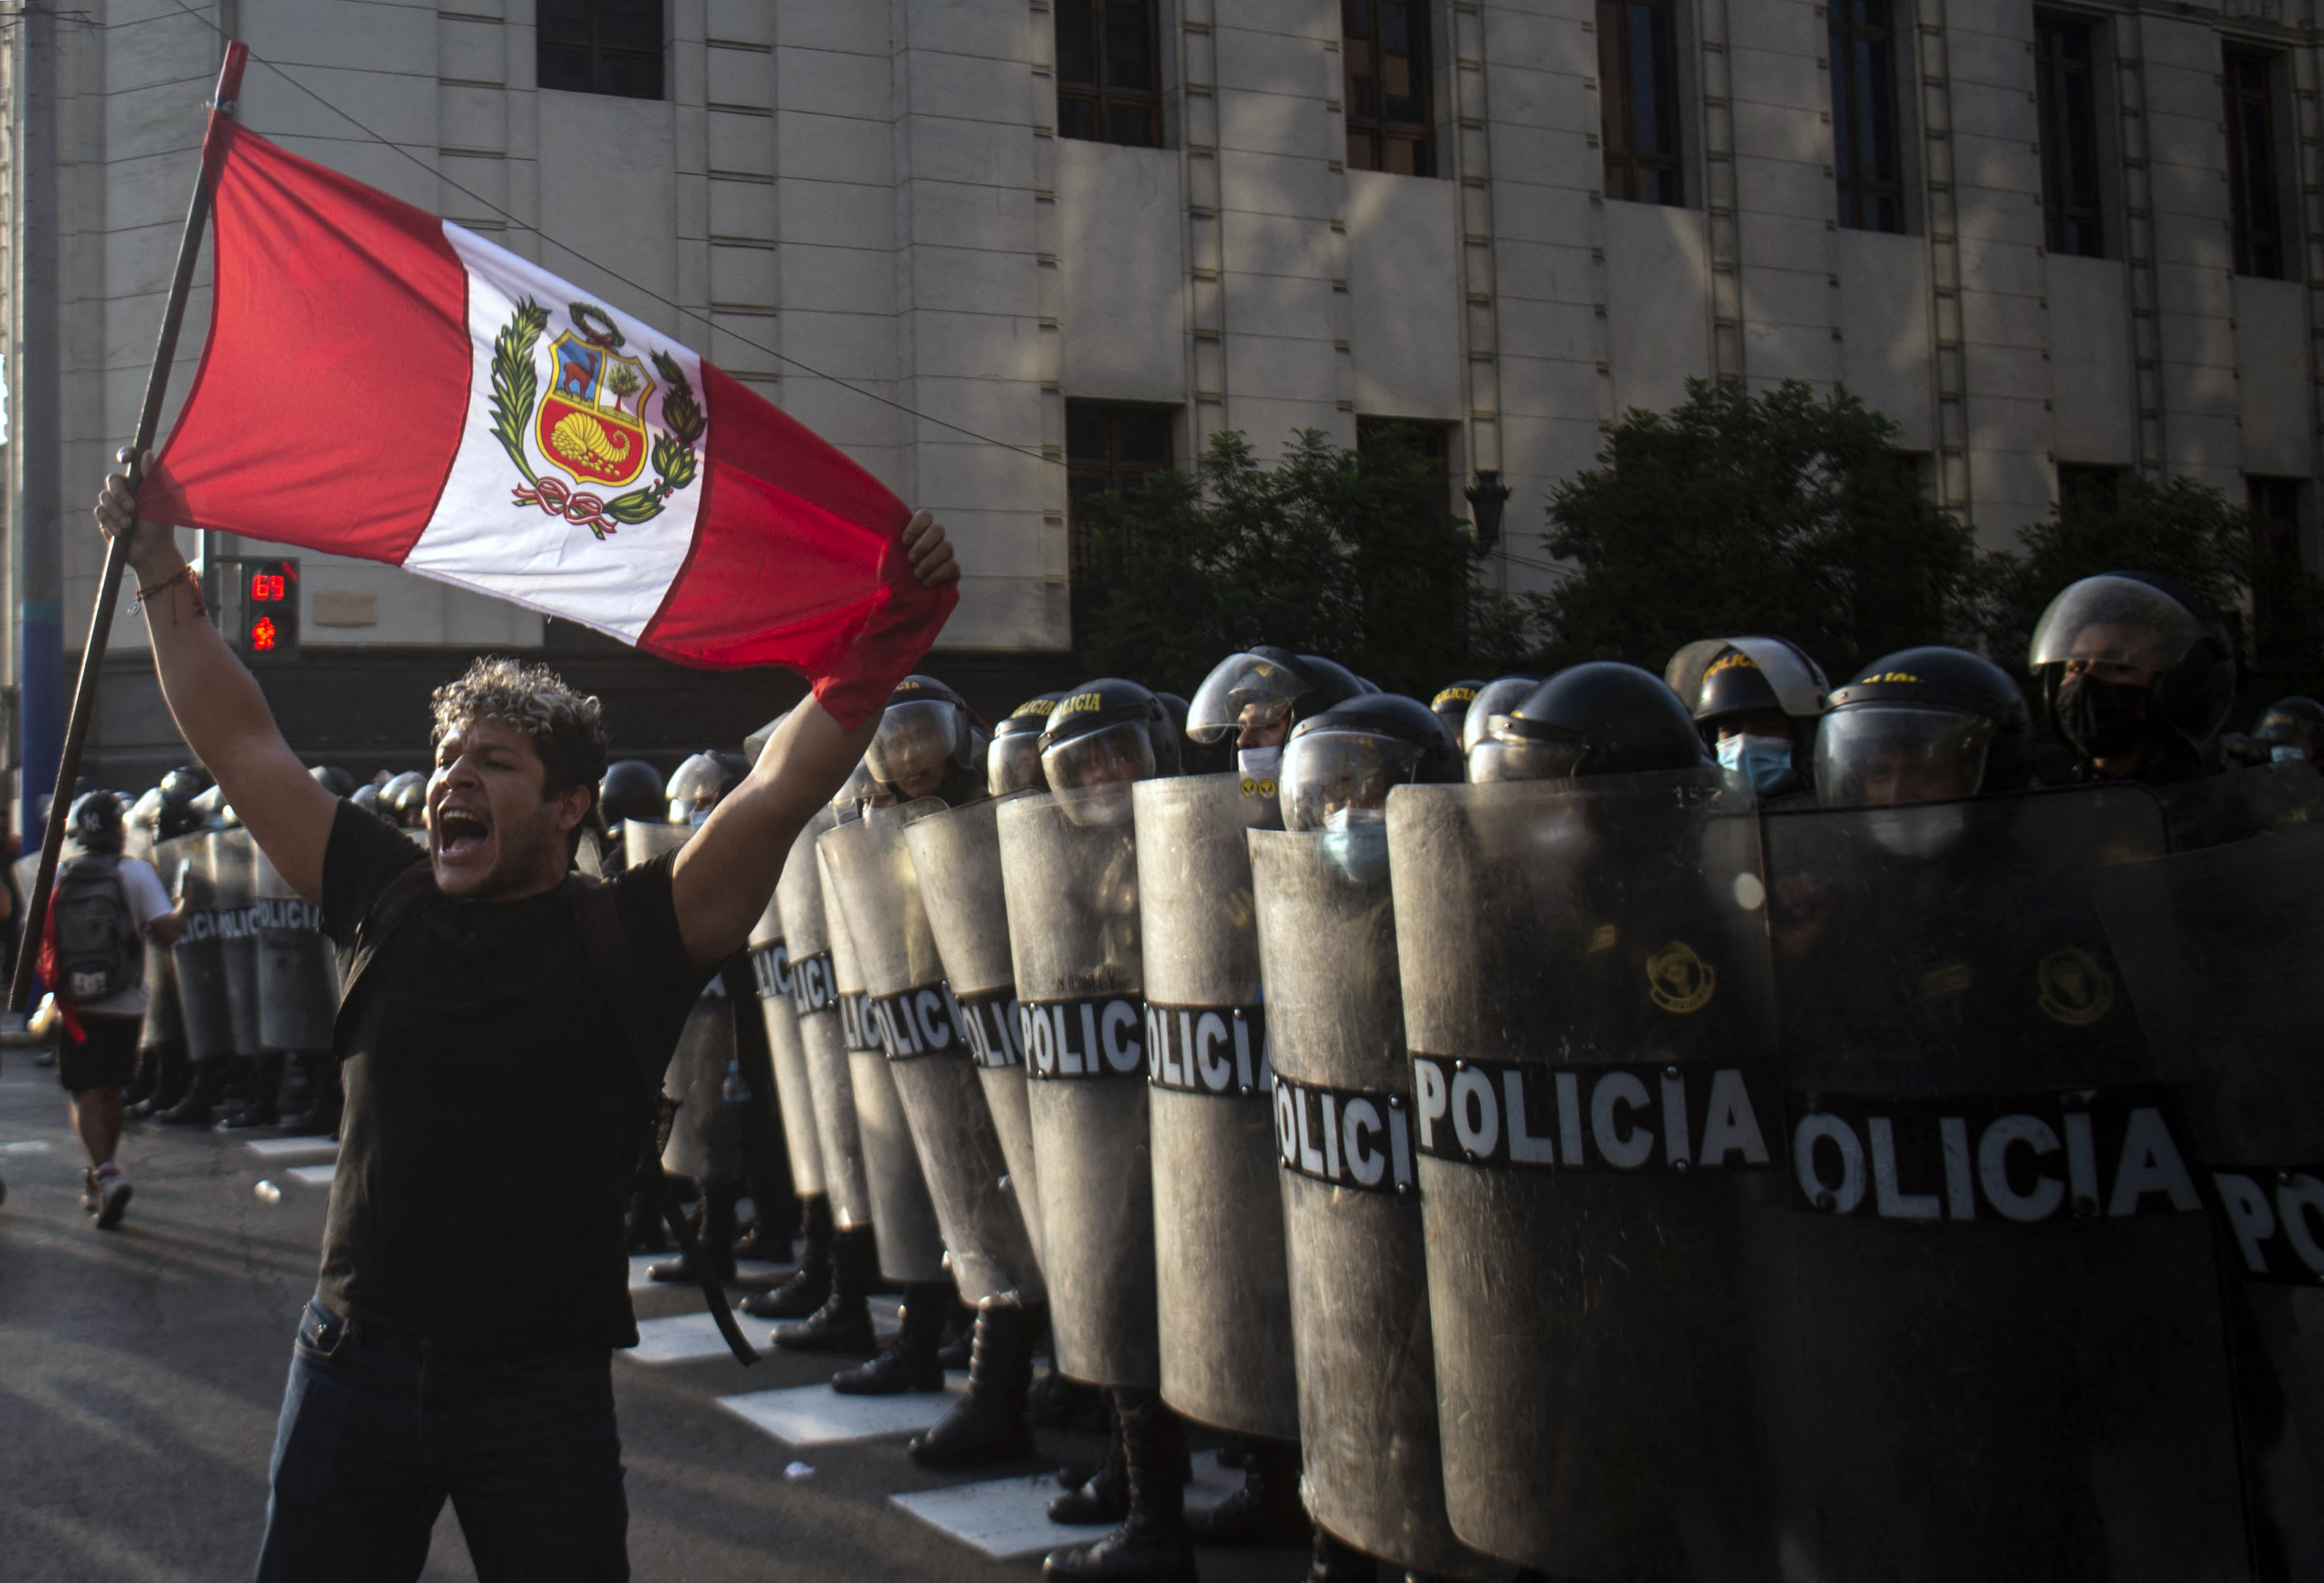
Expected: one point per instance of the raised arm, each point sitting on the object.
(726, 872)
(217, 705)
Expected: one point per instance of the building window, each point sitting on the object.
(1384, 49)
(2254, 210)
(2066, 91)
(1109, 71)
(601, 47)
(1107, 447)
(1866, 157)
(2087, 489)
(1637, 97)
(1430, 443)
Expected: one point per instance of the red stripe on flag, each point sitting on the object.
(332, 393)
(788, 530)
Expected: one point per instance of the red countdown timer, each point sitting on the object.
(268, 587)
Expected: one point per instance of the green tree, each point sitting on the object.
(1737, 512)
(1349, 554)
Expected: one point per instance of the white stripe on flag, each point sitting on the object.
(484, 536)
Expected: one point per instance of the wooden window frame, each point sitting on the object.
(2067, 104)
(2255, 207)
(1372, 132)
(546, 38)
(1869, 171)
(1111, 108)
(1633, 175)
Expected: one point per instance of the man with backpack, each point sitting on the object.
(104, 906)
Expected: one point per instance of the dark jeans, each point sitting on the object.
(378, 1428)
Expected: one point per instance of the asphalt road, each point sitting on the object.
(142, 1371)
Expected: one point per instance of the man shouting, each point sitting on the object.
(502, 1026)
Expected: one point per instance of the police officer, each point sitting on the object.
(2136, 677)
(1013, 758)
(1757, 700)
(2290, 728)
(1923, 725)
(404, 799)
(1255, 698)
(1451, 705)
(1097, 1206)
(632, 789)
(929, 745)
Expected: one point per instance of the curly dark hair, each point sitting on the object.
(567, 728)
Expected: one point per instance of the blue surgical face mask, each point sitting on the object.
(1761, 761)
(2282, 754)
(1357, 841)
(1260, 763)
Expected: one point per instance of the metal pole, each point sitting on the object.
(35, 426)
(116, 554)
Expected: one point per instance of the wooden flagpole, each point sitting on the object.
(116, 554)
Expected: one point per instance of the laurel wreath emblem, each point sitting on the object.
(516, 388)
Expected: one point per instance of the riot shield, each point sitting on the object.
(815, 1004)
(164, 1025)
(2219, 950)
(911, 1245)
(705, 1142)
(642, 842)
(198, 955)
(1360, 1320)
(1589, 1013)
(911, 1013)
(233, 873)
(1070, 864)
(956, 852)
(2211, 810)
(298, 971)
(2001, 1350)
(1219, 1266)
(771, 972)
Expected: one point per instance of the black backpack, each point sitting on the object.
(99, 951)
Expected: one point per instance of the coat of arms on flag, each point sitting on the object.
(592, 424)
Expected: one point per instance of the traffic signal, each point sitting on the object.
(258, 608)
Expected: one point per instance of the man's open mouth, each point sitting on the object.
(459, 832)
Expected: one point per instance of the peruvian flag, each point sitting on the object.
(382, 383)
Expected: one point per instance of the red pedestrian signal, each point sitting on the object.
(257, 604)
(261, 633)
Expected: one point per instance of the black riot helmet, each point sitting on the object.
(2291, 728)
(1925, 725)
(1727, 678)
(366, 796)
(1265, 687)
(1498, 697)
(1600, 718)
(1451, 705)
(929, 744)
(95, 822)
(1108, 730)
(2129, 662)
(632, 789)
(185, 783)
(333, 780)
(404, 799)
(1340, 765)
(693, 788)
(1013, 758)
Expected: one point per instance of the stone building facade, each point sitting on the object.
(2052, 242)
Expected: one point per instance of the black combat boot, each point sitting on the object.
(843, 1323)
(959, 1349)
(988, 1424)
(717, 1238)
(319, 1115)
(811, 1284)
(200, 1100)
(907, 1363)
(1101, 1495)
(1153, 1544)
(1332, 1561)
(264, 1106)
(1265, 1508)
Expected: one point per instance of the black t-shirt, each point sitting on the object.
(495, 1109)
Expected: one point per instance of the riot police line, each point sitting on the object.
(1714, 1124)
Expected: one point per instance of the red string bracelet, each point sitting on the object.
(185, 575)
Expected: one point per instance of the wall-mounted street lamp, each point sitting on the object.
(1487, 496)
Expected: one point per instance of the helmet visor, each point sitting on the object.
(1325, 771)
(1118, 753)
(915, 743)
(1012, 763)
(1509, 758)
(1495, 698)
(858, 790)
(1243, 689)
(2123, 630)
(1883, 754)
